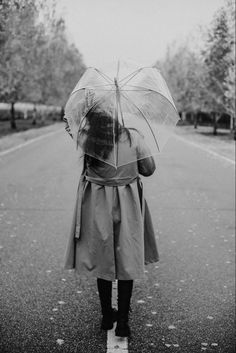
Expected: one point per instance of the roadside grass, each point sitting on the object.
(206, 131)
(223, 143)
(22, 125)
(14, 139)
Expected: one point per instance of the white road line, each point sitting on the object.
(205, 149)
(15, 148)
(116, 344)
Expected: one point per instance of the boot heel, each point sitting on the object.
(124, 295)
(122, 329)
(108, 320)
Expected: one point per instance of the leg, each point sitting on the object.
(105, 293)
(124, 295)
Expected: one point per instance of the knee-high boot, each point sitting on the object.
(105, 293)
(124, 295)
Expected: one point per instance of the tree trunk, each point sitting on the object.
(195, 119)
(62, 113)
(214, 116)
(34, 116)
(183, 116)
(12, 116)
(234, 127)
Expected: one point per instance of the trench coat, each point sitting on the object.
(112, 235)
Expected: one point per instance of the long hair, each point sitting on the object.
(101, 131)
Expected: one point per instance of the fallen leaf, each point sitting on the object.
(204, 344)
(149, 325)
(167, 345)
(210, 317)
(171, 327)
(214, 344)
(61, 302)
(60, 342)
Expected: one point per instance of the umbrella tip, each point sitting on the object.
(116, 83)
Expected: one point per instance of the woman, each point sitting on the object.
(112, 236)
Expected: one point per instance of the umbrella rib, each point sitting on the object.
(129, 77)
(152, 90)
(92, 87)
(134, 73)
(107, 78)
(130, 100)
(137, 71)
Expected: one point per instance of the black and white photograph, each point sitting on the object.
(117, 176)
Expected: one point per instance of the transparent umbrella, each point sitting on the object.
(134, 98)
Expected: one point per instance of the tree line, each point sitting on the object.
(37, 62)
(39, 65)
(204, 80)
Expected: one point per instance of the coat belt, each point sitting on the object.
(111, 182)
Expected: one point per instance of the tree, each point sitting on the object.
(230, 58)
(215, 54)
(17, 37)
(37, 63)
(61, 65)
(184, 73)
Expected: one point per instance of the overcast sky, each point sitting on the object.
(105, 30)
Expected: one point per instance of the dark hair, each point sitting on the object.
(101, 132)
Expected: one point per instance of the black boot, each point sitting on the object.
(124, 296)
(108, 314)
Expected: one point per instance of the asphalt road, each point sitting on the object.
(186, 303)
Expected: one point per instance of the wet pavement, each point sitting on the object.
(186, 303)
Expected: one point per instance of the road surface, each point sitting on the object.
(186, 303)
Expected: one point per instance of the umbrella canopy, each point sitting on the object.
(127, 98)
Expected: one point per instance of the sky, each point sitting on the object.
(140, 30)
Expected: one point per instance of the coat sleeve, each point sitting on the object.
(146, 163)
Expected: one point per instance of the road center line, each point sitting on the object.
(115, 344)
(203, 148)
(38, 138)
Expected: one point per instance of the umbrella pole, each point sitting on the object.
(116, 123)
